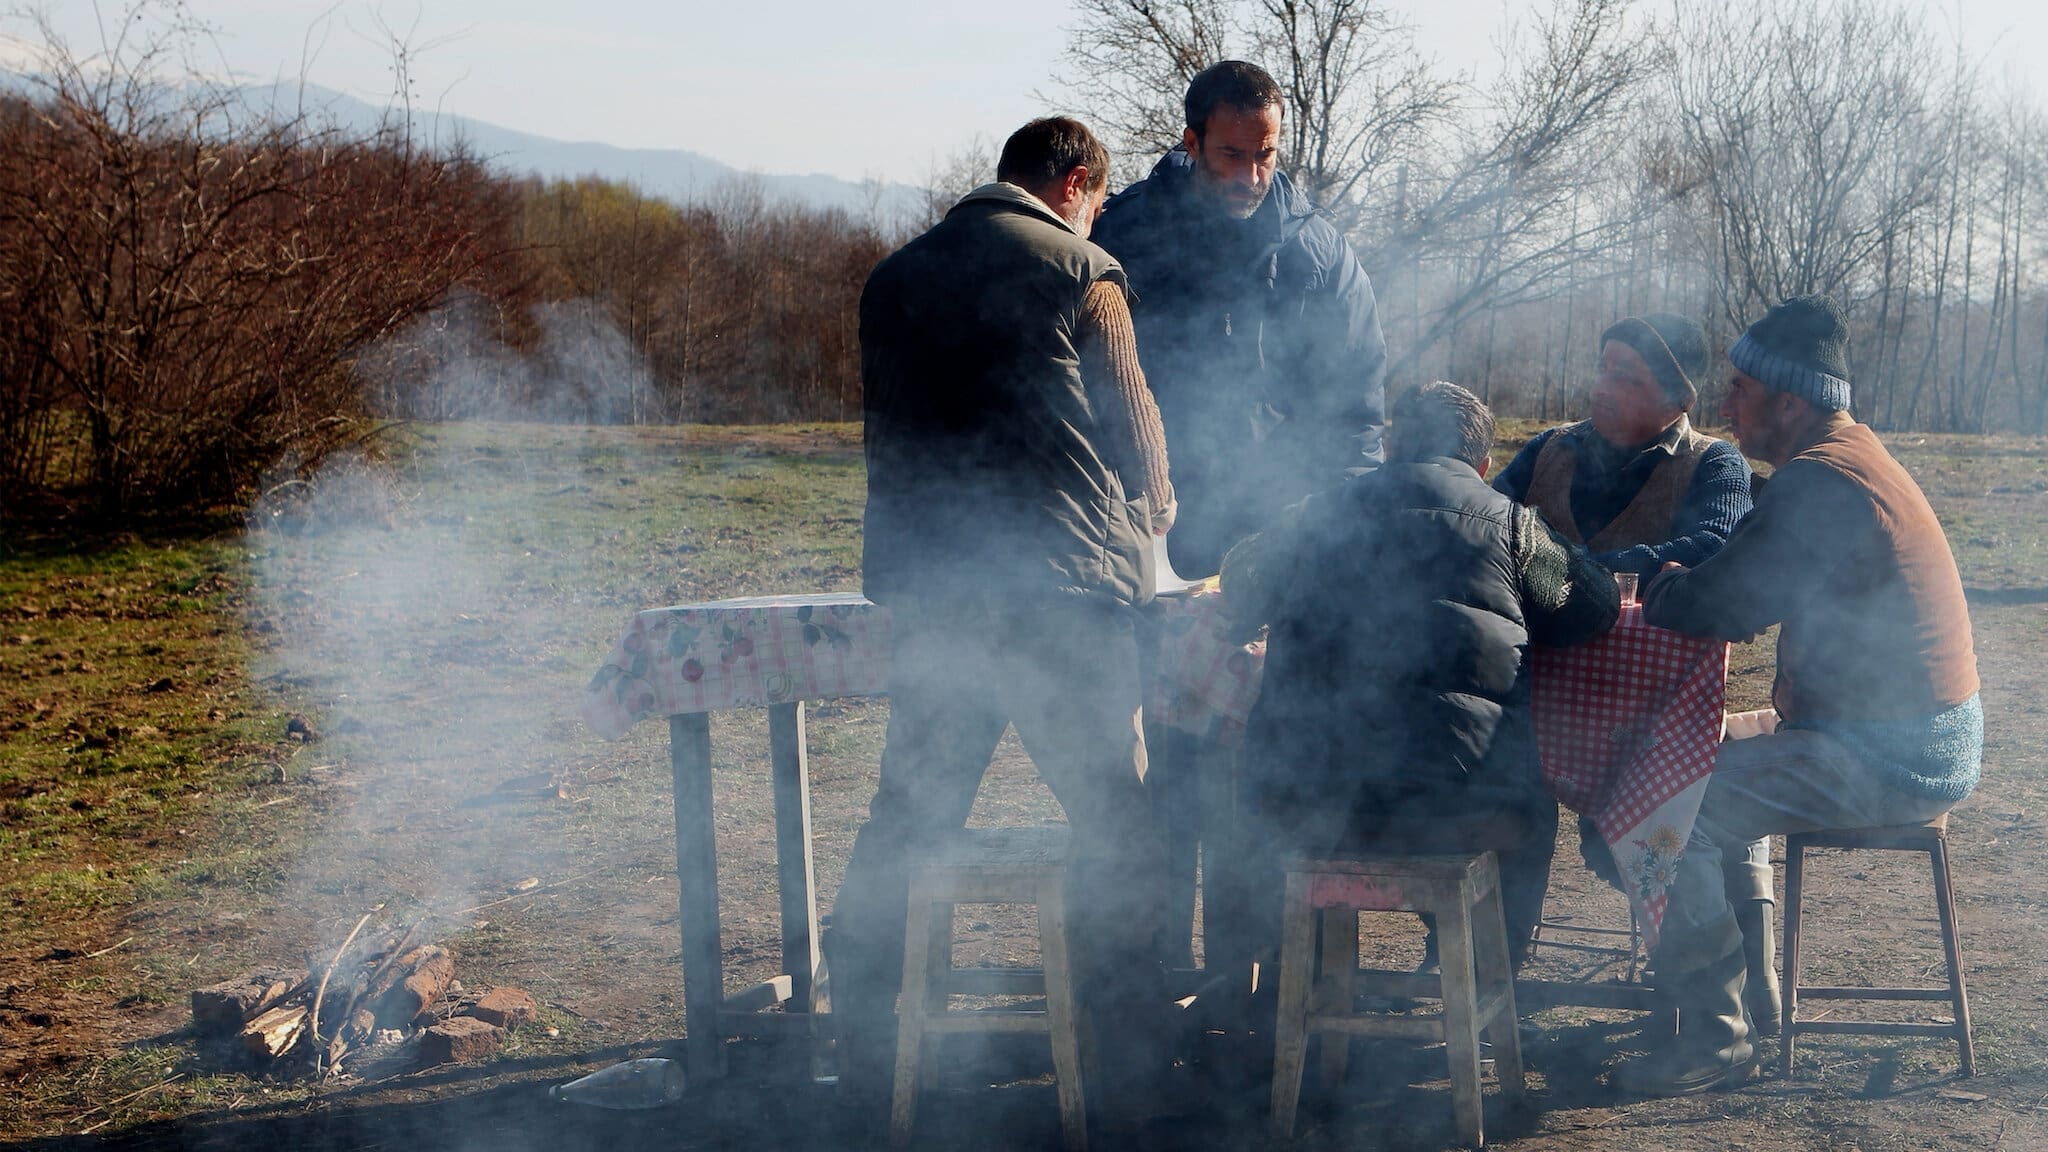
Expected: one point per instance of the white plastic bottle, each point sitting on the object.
(648, 1083)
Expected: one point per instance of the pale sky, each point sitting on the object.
(854, 88)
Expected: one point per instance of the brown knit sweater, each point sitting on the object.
(1133, 438)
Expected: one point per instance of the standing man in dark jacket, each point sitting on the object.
(1256, 325)
(1260, 336)
(1394, 713)
(1016, 473)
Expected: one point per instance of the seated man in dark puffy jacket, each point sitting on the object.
(1394, 714)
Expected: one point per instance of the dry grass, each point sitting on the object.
(438, 647)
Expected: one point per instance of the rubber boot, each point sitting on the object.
(1760, 956)
(864, 1017)
(1712, 1047)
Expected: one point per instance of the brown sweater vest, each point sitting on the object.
(1888, 638)
(1646, 520)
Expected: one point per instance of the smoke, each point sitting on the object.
(452, 364)
(430, 614)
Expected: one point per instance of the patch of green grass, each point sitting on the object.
(124, 705)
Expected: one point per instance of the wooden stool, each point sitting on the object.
(1931, 838)
(1476, 987)
(987, 866)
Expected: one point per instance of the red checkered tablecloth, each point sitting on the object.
(1628, 727)
(1207, 680)
(762, 650)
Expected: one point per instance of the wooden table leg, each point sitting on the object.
(689, 753)
(1230, 886)
(1170, 784)
(793, 853)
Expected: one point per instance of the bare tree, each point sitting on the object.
(1533, 202)
(1128, 62)
(960, 172)
(1809, 137)
(1361, 102)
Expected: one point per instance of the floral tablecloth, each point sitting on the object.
(1628, 727)
(762, 650)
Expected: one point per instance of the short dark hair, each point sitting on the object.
(1441, 419)
(1042, 152)
(1243, 86)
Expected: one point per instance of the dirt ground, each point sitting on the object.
(442, 650)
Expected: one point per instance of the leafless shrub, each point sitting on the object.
(183, 285)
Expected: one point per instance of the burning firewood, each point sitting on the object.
(376, 998)
(226, 1006)
(274, 1032)
(411, 986)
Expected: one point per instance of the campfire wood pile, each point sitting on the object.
(375, 1000)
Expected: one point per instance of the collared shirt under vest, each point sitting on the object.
(1648, 518)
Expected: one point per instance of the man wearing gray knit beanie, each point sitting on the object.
(1639, 487)
(1878, 721)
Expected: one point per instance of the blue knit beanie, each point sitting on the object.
(1800, 347)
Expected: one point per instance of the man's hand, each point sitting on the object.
(1162, 520)
(1670, 568)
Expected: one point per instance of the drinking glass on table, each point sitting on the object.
(1625, 583)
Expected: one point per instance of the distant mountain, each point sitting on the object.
(672, 173)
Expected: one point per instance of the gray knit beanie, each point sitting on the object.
(1800, 347)
(1674, 347)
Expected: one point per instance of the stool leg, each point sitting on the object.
(1795, 877)
(1461, 1012)
(1490, 954)
(1290, 1031)
(938, 982)
(1333, 988)
(1061, 1012)
(917, 954)
(1945, 903)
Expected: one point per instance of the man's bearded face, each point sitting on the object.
(1235, 157)
(1085, 210)
(1766, 423)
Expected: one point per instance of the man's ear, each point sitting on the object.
(1485, 465)
(1191, 142)
(1074, 185)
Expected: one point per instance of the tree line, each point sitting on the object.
(198, 301)
(1705, 158)
(201, 301)
(1708, 158)
(639, 310)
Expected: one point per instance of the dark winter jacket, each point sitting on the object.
(984, 475)
(1262, 343)
(1402, 607)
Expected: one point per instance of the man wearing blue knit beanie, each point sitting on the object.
(1876, 692)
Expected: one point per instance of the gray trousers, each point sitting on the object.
(1067, 676)
(1789, 781)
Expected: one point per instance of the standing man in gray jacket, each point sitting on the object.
(1016, 474)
